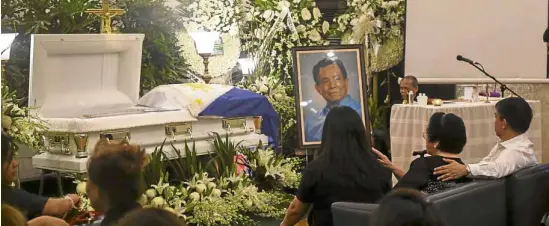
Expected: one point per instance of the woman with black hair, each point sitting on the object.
(345, 170)
(31, 205)
(445, 138)
(404, 207)
(115, 179)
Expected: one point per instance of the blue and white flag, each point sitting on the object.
(216, 100)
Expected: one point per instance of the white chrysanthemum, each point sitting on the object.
(316, 13)
(305, 14)
(211, 185)
(297, 1)
(216, 193)
(143, 200)
(301, 28)
(158, 202)
(283, 5)
(325, 27)
(268, 15)
(314, 36)
(263, 89)
(81, 188)
(248, 17)
(151, 193)
(200, 188)
(194, 196)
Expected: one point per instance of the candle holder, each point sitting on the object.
(205, 46)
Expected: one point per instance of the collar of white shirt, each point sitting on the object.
(519, 143)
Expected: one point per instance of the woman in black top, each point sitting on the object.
(345, 170)
(115, 179)
(445, 138)
(31, 205)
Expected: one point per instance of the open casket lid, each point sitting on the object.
(75, 74)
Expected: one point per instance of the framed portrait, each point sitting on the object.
(327, 76)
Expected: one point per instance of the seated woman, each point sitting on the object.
(31, 205)
(115, 179)
(343, 170)
(445, 138)
(404, 207)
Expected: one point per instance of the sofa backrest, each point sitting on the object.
(477, 203)
(528, 195)
(352, 214)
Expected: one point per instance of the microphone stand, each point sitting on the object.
(502, 86)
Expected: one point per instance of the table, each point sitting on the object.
(408, 122)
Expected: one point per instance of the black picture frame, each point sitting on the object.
(356, 76)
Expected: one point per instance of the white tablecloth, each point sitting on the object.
(408, 123)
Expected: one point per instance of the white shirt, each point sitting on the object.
(505, 158)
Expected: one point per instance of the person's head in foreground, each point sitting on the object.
(512, 118)
(345, 148)
(115, 178)
(151, 216)
(12, 216)
(407, 84)
(331, 79)
(445, 133)
(406, 207)
(9, 164)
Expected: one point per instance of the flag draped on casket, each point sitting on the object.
(215, 100)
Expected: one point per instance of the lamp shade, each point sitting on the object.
(5, 44)
(205, 41)
(247, 65)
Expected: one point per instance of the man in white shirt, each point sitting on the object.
(513, 152)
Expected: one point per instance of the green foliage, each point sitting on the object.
(223, 158)
(188, 166)
(154, 171)
(18, 123)
(161, 62)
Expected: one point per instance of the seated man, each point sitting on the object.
(32, 205)
(408, 84)
(513, 152)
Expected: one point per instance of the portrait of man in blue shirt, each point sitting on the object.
(331, 83)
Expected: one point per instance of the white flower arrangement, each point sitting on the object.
(378, 24)
(18, 123)
(211, 15)
(295, 23)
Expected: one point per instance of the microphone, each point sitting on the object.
(461, 58)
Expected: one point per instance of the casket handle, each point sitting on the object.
(44, 143)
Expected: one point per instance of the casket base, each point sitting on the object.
(203, 146)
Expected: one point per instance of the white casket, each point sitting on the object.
(86, 88)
